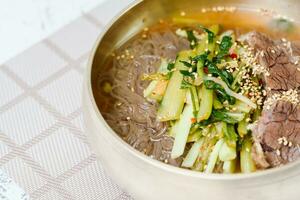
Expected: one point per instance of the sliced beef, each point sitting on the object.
(292, 48)
(277, 133)
(258, 41)
(279, 59)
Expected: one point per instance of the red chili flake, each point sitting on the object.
(205, 69)
(233, 55)
(260, 81)
(193, 120)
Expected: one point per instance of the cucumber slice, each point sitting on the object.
(242, 128)
(181, 130)
(174, 98)
(247, 163)
(192, 155)
(150, 88)
(193, 137)
(229, 166)
(213, 157)
(206, 104)
(227, 152)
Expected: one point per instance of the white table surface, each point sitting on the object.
(26, 22)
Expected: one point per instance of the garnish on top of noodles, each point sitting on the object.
(206, 96)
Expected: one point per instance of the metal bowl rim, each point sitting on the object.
(155, 163)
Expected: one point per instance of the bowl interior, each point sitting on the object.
(148, 12)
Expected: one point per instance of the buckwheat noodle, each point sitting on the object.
(125, 109)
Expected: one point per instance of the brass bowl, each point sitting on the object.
(145, 178)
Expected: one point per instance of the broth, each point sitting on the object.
(119, 92)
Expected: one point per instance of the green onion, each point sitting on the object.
(192, 39)
(231, 93)
(210, 34)
(170, 66)
(217, 104)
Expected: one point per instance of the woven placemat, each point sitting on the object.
(43, 145)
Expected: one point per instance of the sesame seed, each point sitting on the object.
(285, 142)
(146, 29)
(122, 56)
(220, 8)
(231, 9)
(264, 92)
(290, 144)
(182, 13)
(290, 96)
(128, 118)
(278, 152)
(262, 54)
(144, 36)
